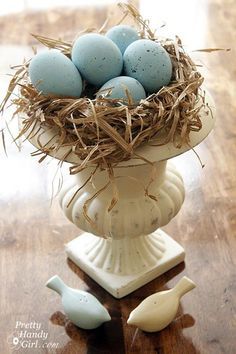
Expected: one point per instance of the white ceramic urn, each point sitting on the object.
(127, 249)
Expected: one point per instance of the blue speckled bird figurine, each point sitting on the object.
(82, 308)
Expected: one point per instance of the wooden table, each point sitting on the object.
(33, 233)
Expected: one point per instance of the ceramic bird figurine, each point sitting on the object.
(82, 308)
(158, 310)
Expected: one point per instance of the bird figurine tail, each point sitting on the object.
(56, 283)
(183, 286)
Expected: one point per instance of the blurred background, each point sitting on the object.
(33, 232)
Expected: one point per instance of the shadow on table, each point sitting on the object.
(106, 338)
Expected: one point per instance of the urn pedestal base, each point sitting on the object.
(121, 272)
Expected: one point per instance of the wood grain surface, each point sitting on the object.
(33, 233)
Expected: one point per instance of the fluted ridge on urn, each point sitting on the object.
(131, 216)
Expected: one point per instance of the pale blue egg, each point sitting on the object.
(51, 72)
(97, 58)
(149, 63)
(117, 87)
(122, 36)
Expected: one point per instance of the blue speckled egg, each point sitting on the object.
(116, 88)
(51, 72)
(149, 63)
(97, 58)
(122, 36)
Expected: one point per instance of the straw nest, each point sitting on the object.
(104, 131)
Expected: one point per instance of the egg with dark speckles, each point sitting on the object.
(122, 36)
(119, 87)
(51, 72)
(97, 58)
(149, 63)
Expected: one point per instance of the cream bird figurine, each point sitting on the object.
(158, 310)
(82, 308)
